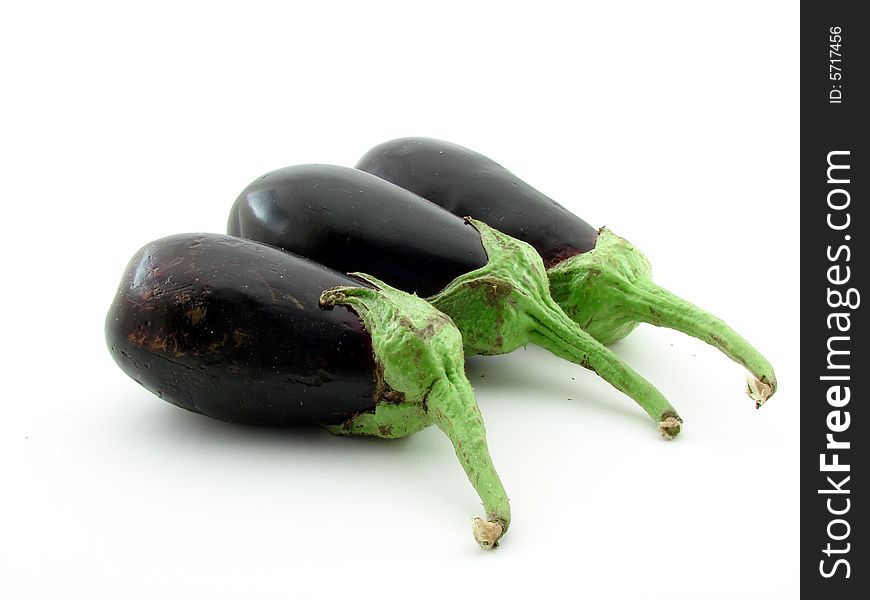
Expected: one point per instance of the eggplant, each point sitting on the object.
(600, 280)
(492, 286)
(242, 332)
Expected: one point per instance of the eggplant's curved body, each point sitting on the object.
(432, 168)
(232, 329)
(349, 220)
(244, 332)
(599, 280)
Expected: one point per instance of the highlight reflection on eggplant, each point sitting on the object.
(243, 332)
(494, 287)
(600, 280)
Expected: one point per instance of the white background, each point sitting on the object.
(675, 124)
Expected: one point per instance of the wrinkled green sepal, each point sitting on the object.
(609, 290)
(418, 351)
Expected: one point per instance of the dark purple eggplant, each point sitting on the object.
(232, 330)
(243, 332)
(600, 280)
(348, 220)
(493, 287)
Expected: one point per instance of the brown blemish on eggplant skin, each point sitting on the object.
(196, 314)
(203, 321)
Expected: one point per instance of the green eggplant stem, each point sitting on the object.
(657, 306)
(418, 350)
(452, 406)
(507, 304)
(609, 290)
(547, 329)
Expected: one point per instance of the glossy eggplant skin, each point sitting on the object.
(233, 329)
(490, 193)
(313, 210)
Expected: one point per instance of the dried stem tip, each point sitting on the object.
(486, 533)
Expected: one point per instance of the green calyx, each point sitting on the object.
(507, 304)
(419, 353)
(609, 291)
